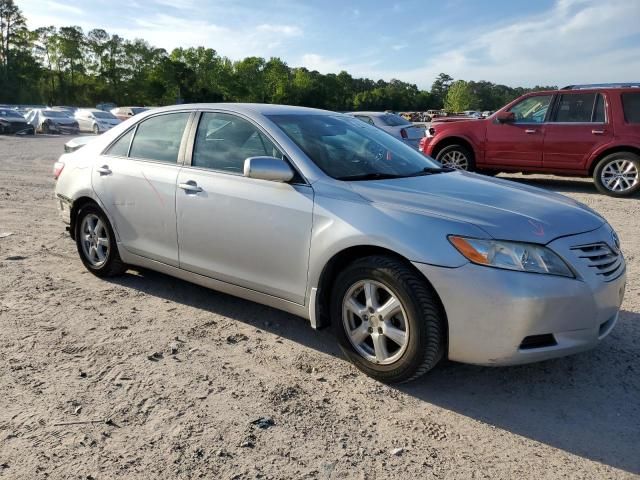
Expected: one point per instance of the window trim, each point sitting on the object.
(557, 105)
(181, 150)
(191, 144)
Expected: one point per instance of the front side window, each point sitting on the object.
(158, 138)
(631, 107)
(224, 142)
(531, 109)
(346, 148)
(579, 108)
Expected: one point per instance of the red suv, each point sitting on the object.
(580, 130)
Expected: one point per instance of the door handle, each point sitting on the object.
(530, 131)
(597, 132)
(104, 170)
(190, 187)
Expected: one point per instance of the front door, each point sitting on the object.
(136, 182)
(248, 232)
(519, 143)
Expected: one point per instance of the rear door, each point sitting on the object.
(519, 143)
(579, 124)
(248, 232)
(136, 181)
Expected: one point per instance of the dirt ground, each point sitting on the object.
(146, 376)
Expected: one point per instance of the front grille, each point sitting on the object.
(602, 258)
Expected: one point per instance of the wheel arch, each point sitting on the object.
(455, 140)
(608, 151)
(75, 208)
(343, 258)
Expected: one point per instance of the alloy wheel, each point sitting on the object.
(95, 240)
(375, 322)
(620, 175)
(455, 159)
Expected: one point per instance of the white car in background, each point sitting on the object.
(394, 125)
(47, 120)
(96, 121)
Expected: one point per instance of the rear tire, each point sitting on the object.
(618, 174)
(393, 342)
(458, 157)
(96, 243)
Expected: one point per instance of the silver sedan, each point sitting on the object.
(329, 218)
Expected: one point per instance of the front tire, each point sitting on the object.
(387, 319)
(618, 174)
(96, 130)
(96, 243)
(458, 157)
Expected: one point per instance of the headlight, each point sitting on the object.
(524, 257)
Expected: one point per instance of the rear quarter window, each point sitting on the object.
(631, 107)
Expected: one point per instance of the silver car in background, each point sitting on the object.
(394, 125)
(96, 121)
(324, 216)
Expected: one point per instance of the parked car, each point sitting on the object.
(106, 107)
(124, 113)
(580, 130)
(324, 216)
(96, 121)
(70, 110)
(12, 122)
(47, 120)
(394, 125)
(472, 113)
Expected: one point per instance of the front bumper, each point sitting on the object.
(491, 311)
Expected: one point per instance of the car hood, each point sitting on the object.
(14, 119)
(505, 210)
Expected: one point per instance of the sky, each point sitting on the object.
(513, 42)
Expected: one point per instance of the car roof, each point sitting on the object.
(372, 114)
(248, 108)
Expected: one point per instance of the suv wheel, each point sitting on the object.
(456, 156)
(387, 319)
(96, 243)
(618, 174)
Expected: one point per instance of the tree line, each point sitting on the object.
(66, 66)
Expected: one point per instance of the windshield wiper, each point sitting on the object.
(432, 171)
(369, 176)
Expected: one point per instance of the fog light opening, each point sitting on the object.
(538, 341)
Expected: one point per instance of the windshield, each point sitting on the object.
(9, 113)
(391, 120)
(105, 115)
(55, 114)
(346, 148)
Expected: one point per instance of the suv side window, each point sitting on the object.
(579, 108)
(224, 142)
(631, 107)
(531, 109)
(158, 138)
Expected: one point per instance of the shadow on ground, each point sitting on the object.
(586, 404)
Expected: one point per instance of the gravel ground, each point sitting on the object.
(146, 376)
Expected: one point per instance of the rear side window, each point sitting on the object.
(121, 147)
(365, 119)
(631, 107)
(224, 142)
(579, 108)
(159, 138)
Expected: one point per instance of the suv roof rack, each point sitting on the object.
(602, 85)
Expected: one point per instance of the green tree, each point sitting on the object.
(460, 97)
(440, 88)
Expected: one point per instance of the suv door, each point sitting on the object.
(579, 124)
(248, 232)
(519, 143)
(135, 179)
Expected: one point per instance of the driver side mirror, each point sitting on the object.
(506, 117)
(268, 168)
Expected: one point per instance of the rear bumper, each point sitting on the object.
(64, 205)
(490, 312)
